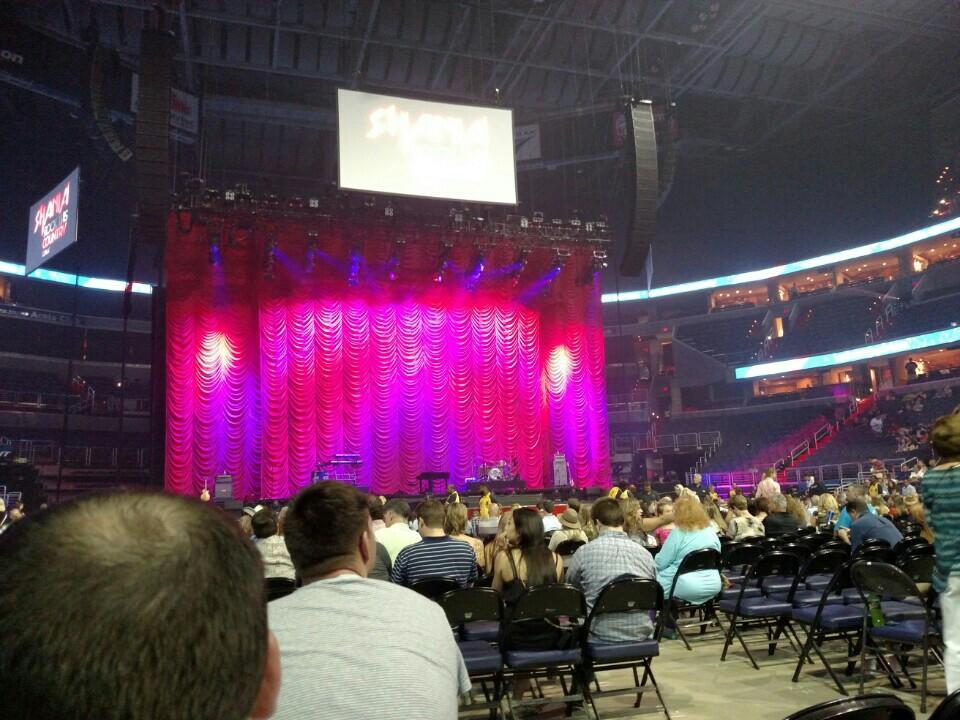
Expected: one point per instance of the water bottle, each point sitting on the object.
(876, 611)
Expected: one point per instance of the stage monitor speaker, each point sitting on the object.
(157, 49)
(642, 186)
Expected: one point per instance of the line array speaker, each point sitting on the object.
(157, 49)
(643, 188)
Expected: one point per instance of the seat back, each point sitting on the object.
(569, 547)
(741, 556)
(836, 545)
(477, 604)
(875, 553)
(549, 601)
(705, 559)
(908, 544)
(816, 540)
(874, 542)
(949, 708)
(865, 707)
(822, 562)
(918, 568)
(775, 564)
(770, 543)
(278, 587)
(628, 595)
(434, 588)
(806, 531)
(801, 551)
(883, 580)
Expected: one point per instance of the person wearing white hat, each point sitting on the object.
(569, 529)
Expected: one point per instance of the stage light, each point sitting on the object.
(353, 277)
(479, 265)
(229, 197)
(313, 203)
(443, 264)
(214, 234)
(269, 258)
(311, 261)
(393, 264)
(538, 217)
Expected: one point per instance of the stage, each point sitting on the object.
(298, 340)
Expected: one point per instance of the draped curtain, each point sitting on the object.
(269, 375)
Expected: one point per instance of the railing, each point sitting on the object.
(746, 479)
(81, 404)
(842, 474)
(681, 441)
(78, 456)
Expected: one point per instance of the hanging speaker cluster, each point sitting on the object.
(642, 186)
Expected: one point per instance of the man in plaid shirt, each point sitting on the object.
(612, 556)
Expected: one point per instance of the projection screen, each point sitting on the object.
(426, 149)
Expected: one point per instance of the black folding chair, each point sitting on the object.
(874, 553)
(556, 613)
(830, 619)
(773, 616)
(278, 587)
(865, 707)
(874, 542)
(823, 563)
(949, 709)
(736, 564)
(908, 544)
(470, 607)
(435, 588)
(569, 547)
(801, 551)
(882, 581)
(705, 559)
(617, 602)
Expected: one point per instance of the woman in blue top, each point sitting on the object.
(693, 532)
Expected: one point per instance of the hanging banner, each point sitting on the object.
(53, 222)
(526, 142)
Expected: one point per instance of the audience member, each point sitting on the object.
(880, 506)
(941, 494)
(844, 521)
(742, 524)
(397, 534)
(633, 523)
(452, 495)
(343, 635)
(436, 556)
(761, 508)
(664, 509)
(505, 538)
(569, 529)
(693, 532)
(376, 512)
(768, 485)
(246, 524)
(613, 555)
(827, 509)
(586, 521)
(648, 494)
(866, 526)
(485, 500)
(574, 504)
(273, 550)
(134, 606)
(619, 490)
(798, 511)
(550, 522)
(919, 516)
(698, 487)
(778, 521)
(715, 516)
(455, 525)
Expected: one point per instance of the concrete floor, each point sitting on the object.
(697, 686)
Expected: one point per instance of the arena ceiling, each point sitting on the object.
(744, 75)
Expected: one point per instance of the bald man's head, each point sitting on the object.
(131, 606)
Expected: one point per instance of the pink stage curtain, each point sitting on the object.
(268, 377)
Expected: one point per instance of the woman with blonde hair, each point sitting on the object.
(632, 525)
(504, 539)
(716, 517)
(919, 516)
(826, 504)
(693, 531)
(455, 525)
(798, 511)
(586, 522)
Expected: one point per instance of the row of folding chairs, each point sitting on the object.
(876, 706)
(827, 595)
(491, 642)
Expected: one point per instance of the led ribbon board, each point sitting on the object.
(798, 266)
(843, 357)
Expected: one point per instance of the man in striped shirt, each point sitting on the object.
(437, 556)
